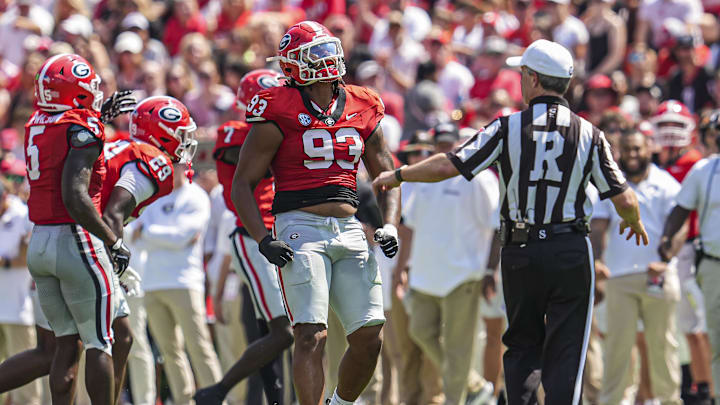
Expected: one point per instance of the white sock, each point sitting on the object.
(337, 401)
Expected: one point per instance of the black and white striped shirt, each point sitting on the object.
(545, 157)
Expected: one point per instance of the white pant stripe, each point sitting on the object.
(104, 280)
(246, 268)
(577, 397)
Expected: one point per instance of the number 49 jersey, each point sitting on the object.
(148, 159)
(318, 158)
(46, 148)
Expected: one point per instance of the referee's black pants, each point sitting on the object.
(549, 287)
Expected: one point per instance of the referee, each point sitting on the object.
(545, 157)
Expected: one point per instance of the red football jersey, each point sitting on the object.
(679, 170)
(233, 134)
(318, 149)
(46, 147)
(151, 161)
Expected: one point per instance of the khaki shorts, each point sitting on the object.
(691, 308)
(333, 267)
(76, 284)
(260, 275)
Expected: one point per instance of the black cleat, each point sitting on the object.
(212, 395)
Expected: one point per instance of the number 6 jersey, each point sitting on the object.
(47, 143)
(318, 158)
(149, 160)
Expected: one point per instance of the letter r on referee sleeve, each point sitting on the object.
(480, 151)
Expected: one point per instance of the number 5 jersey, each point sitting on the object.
(318, 158)
(46, 147)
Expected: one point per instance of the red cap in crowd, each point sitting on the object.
(599, 82)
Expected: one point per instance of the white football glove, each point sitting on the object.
(387, 238)
(130, 281)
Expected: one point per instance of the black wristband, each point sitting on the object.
(398, 174)
(267, 239)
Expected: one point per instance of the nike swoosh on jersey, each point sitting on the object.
(348, 117)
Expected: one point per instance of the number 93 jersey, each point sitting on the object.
(47, 144)
(318, 158)
(149, 160)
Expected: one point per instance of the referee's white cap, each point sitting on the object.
(545, 57)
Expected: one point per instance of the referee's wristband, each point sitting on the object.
(398, 173)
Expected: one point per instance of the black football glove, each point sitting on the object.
(120, 255)
(276, 251)
(121, 102)
(387, 238)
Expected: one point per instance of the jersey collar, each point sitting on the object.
(336, 110)
(320, 110)
(549, 100)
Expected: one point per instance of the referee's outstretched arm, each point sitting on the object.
(431, 170)
(441, 167)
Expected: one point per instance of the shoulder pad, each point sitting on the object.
(367, 101)
(268, 104)
(85, 118)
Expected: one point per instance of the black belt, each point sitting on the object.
(515, 233)
(242, 231)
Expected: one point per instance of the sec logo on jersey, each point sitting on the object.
(304, 119)
(170, 114)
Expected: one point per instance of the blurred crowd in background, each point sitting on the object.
(432, 62)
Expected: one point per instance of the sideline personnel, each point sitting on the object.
(700, 191)
(545, 156)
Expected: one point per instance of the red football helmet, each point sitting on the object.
(673, 124)
(65, 82)
(253, 82)
(308, 53)
(165, 122)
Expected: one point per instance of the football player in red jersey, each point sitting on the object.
(137, 174)
(259, 274)
(312, 133)
(72, 250)
(673, 126)
(140, 170)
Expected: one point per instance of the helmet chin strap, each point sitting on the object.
(189, 173)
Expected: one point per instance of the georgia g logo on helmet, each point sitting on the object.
(80, 70)
(170, 114)
(268, 81)
(284, 42)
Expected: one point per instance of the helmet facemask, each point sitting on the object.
(188, 146)
(676, 133)
(94, 89)
(185, 135)
(320, 60)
